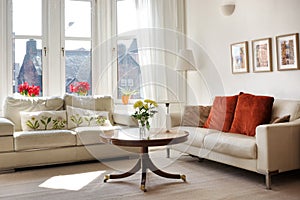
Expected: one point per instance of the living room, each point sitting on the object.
(199, 25)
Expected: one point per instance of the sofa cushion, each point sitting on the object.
(125, 119)
(43, 120)
(78, 117)
(13, 105)
(90, 135)
(237, 145)
(195, 115)
(30, 140)
(222, 112)
(282, 107)
(99, 103)
(196, 134)
(250, 112)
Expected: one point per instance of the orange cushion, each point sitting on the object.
(221, 114)
(250, 112)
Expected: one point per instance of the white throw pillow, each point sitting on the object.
(43, 120)
(78, 117)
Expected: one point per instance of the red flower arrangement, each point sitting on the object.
(81, 88)
(29, 90)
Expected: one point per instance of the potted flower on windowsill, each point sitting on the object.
(126, 94)
(29, 90)
(80, 88)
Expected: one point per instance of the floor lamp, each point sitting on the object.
(185, 62)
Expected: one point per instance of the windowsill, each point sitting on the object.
(124, 109)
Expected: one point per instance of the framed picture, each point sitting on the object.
(287, 51)
(262, 55)
(239, 57)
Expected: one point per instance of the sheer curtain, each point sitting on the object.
(159, 22)
(102, 49)
(156, 19)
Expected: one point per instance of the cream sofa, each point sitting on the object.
(274, 149)
(20, 148)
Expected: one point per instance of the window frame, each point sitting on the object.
(10, 38)
(121, 36)
(64, 38)
(53, 66)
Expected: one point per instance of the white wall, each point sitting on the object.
(213, 33)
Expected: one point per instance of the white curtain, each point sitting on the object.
(102, 50)
(158, 43)
(158, 21)
(155, 20)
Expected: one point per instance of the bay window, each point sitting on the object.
(50, 43)
(77, 42)
(129, 77)
(27, 42)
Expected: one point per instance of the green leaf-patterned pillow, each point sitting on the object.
(43, 120)
(78, 117)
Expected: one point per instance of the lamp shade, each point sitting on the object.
(185, 60)
(227, 9)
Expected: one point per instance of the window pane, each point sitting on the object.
(126, 16)
(129, 72)
(27, 59)
(27, 17)
(78, 62)
(77, 18)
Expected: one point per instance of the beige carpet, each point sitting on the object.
(205, 180)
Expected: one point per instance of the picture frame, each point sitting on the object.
(239, 57)
(287, 52)
(262, 55)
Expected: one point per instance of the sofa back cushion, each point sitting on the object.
(222, 112)
(195, 115)
(283, 107)
(13, 105)
(98, 103)
(250, 112)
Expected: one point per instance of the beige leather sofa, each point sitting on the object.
(274, 149)
(20, 148)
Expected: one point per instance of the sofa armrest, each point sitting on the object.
(125, 119)
(175, 119)
(278, 146)
(7, 127)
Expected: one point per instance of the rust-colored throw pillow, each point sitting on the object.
(222, 112)
(195, 115)
(283, 119)
(250, 112)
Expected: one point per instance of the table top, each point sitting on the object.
(131, 137)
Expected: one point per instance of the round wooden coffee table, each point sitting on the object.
(130, 138)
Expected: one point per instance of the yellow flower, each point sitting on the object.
(146, 106)
(138, 104)
(151, 102)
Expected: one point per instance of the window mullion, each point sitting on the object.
(45, 46)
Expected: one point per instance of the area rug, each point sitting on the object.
(205, 180)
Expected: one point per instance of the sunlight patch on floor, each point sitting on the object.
(73, 182)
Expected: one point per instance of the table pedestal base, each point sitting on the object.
(144, 163)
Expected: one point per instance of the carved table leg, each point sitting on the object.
(135, 169)
(144, 176)
(144, 163)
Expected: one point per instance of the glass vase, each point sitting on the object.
(143, 131)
